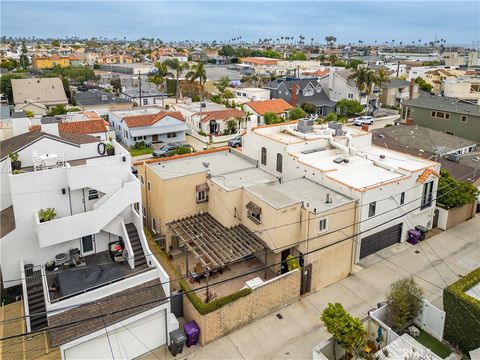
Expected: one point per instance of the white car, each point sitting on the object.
(363, 120)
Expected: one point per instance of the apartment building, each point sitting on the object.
(465, 88)
(73, 246)
(228, 198)
(394, 192)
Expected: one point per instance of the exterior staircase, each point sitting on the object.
(139, 255)
(36, 300)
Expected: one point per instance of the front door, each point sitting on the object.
(154, 138)
(284, 264)
(88, 245)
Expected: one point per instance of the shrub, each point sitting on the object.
(272, 118)
(309, 108)
(182, 150)
(296, 113)
(46, 214)
(348, 107)
(202, 133)
(462, 313)
(453, 193)
(13, 157)
(195, 98)
(331, 117)
(405, 301)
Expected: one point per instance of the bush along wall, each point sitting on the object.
(202, 307)
(462, 322)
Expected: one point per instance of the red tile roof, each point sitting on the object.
(150, 119)
(276, 106)
(220, 114)
(84, 127)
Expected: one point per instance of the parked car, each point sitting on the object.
(235, 142)
(168, 149)
(363, 120)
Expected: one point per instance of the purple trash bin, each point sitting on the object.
(414, 236)
(192, 331)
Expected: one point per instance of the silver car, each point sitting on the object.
(363, 120)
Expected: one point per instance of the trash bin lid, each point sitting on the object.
(178, 336)
(191, 328)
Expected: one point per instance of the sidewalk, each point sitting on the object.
(435, 262)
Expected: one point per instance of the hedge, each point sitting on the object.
(202, 307)
(462, 313)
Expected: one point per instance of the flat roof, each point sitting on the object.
(243, 178)
(196, 106)
(312, 194)
(360, 171)
(219, 163)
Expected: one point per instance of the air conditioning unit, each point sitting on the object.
(305, 125)
(453, 157)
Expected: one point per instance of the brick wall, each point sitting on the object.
(263, 300)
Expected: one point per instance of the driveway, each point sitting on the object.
(435, 263)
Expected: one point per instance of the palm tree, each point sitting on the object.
(198, 73)
(178, 67)
(364, 80)
(160, 77)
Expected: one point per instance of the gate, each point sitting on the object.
(306, 282)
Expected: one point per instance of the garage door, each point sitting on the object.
(126, 342)
(380, 240)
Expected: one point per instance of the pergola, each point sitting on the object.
(214, 244)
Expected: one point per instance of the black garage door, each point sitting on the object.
(380, 240)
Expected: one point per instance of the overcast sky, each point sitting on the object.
(457, 22)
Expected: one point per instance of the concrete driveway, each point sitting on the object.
(435, 263)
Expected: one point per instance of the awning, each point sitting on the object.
(202, 187)
(254, 208)
(214, 244)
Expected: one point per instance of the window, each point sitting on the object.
(126, 134)
(148, 186)
(144, 212)
(175, 242)
(254, 212)
(464, 119)
(171, 135)
(279, 163)
(406, 112)
(263, 159)
(350, 96)
(475, 88)
(142, 180)
(135, 138)
(371, 209)
(402, 198)
(322, 225)
(154, 225)
(201, 192)
(427, 195)
(440, 115)
(308, 92)
(145, 101)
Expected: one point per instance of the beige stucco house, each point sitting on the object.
(298, 217)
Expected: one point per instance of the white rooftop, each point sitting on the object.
(404, 347)
(142, 111)
(295, 191)
(243, 178)
(194, 107)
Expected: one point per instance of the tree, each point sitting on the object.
(364, 79)
(231, 126)
(298, 55)
(296, 113)
(331, 117)
(223, 83)
(116, 84)
(227, 94)
(353, 64)
(405, 301)
(349, 107)
(330, 40)
(453, 193)
(198, 73)
(56, 43)
(271, 118)
(24, 62)
(382, 76)
(159, 78)
(309, 108)
(346, 330)
(6, 84)
(58, 110)
(178, 67)
(9, 64)
(424, 85)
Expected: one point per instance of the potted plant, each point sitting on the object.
(110, 149)
(16, 164)
(47, 214)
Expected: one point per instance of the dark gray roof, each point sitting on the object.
(318, 99)
(444, 103)
(92, 98)
(17, 143)
(395, 83)
(49, 120)
(18, 114)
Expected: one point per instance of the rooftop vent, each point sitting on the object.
(104, 97)
(382, 156)
(339, 160)
(305, 125)
(336, 126)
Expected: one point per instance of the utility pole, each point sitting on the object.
(140, 87)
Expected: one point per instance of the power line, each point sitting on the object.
(200, 288)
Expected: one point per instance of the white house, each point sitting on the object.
(147, 97)
(86, 272)
(465, 88)
(149, 125)
(215, 122)
(243, 95)
(395, 192)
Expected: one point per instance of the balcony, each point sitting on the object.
(72, 227)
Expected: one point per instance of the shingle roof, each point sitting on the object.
(444, 103)
(43, 90)
(84, 127)
(395, 83)
(89, 98)
(16, 143)
(150, 119)
(86, 318)
(275, 105)
(220, 114)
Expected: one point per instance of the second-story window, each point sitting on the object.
(279, 162)
(263, 158)
(402, 198)
(427, 195)
(322, 225)
(202, 193)
(148, 186)
(142, 180)
(372, 207)
(254, 212)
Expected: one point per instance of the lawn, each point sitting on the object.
(138, 152)
(433, 344)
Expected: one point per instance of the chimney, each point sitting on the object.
(293, 99)
(411, 88)
(330, 78)
(49, 125)
(251, 123)
(21, 123)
